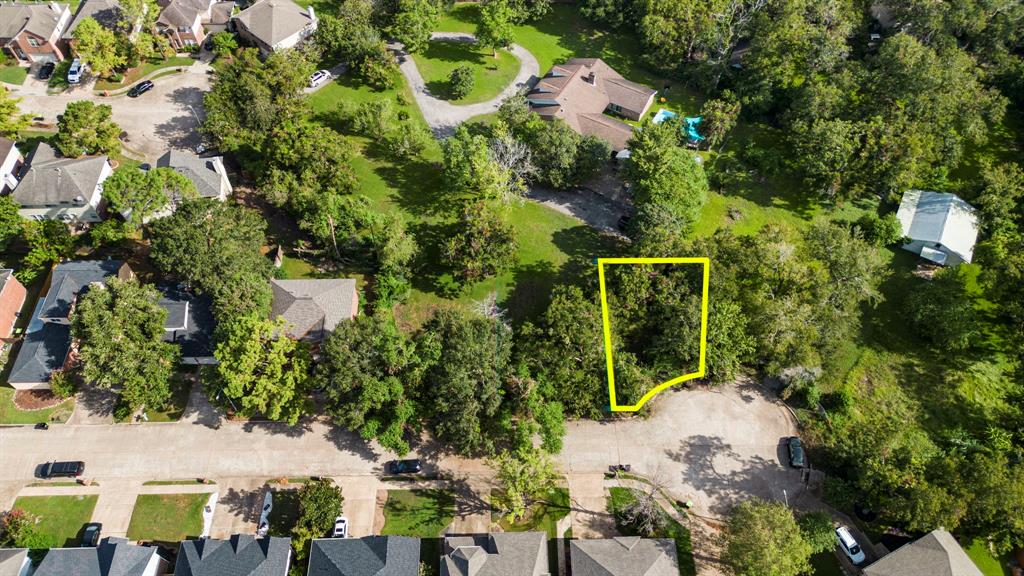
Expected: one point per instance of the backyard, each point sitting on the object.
(167, 518)
(61, 518)
(490, 75)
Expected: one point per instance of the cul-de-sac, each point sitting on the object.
(511, 288)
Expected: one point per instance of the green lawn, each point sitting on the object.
(988, 564)
(13, 74)
(181, 387)
(168, 518)
(826, 564)
(542, 516)
(61, 518)
(11, 414)
(491, 75)
(148, 68)
(619, 497)
(418, 513)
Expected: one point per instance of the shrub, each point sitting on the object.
(817, 530)
(62, 384)
(461, 82)
(880, 231)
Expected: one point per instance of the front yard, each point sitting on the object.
(419, 513)
(129, 77)
(543, 516)
(491, 75)
(167, 518)
(13, 74)
(11, 414)
(61, 518)
(618, 498)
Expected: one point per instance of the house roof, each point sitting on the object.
(935, 554)
(624, 556)
(313, 307)
(106, 12)
(190, 321)
(939, 217)
(182, 12)
(241, 555)
(38, 19)
(6, 145)
(368, 556)
(201, 171)
(498, 554)
(272, 21)
(5, 275)
(53, 180)
(567, 93)
(113, 557)
(69, 278)
(43, 350)
(11, 561)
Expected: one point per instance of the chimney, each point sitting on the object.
(55, 8)
(312, 14)
(590, 78)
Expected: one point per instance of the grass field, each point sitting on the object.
(419, 513)
(12, 74)
(61, 518)
(988, 564)
(168, 518)
(542, 516)
(491, 75)
(620, 497)
(11, 414)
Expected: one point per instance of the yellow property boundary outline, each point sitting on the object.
(601, 262)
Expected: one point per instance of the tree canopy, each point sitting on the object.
(86, 128)
(138, 195)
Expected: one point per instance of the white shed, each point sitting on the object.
(941, 227)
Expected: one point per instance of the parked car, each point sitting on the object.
(340, 527)
(319, 77)
(140, 88)
(849, 545)
(75, 72)
(46, 70)
(91, 534)
(405, 466)
(797, 458)
(62, 469)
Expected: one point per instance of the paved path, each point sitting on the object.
(165, 117)
(442, 116)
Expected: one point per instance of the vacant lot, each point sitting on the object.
(419, 513)
(61, 518)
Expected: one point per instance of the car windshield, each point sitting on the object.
(855, 549)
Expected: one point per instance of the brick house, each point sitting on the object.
(187, 23)
(32, 32)
(12, 297)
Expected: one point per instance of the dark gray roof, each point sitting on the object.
(106, 12)
(242, 555)
(11, 561)
(42, 351)
(113, 557)
(368, 556)
(69, 278)
(5, 147)
(52, 180)
(498, 554)
(624, 556)
(201, 171)
(935, 554)
(190, 321)
(313, 307)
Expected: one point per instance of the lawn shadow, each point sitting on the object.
(429, 267)
(419, 184)
(243, 504)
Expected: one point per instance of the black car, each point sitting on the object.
(405, 466)
(91, 534)
(797, 459)
(46, 70)
(62, 469)
(140, 88)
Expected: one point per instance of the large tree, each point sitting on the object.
(12, 120)
(49, 241)
(494, 30)
(10, 222)
(524, 477)
(97, 47)
(86, 128)
(137, 195)
(763, 538)
(319, 504)
(367, 371)
(467, 360)
(216, 248)
(414, 22)
(483, 245)
(943, 311)
(261, 370)
(120, 329)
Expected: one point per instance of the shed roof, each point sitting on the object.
(941, 218)
(935, 554)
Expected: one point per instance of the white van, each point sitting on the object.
(849, 545)
(75, 72)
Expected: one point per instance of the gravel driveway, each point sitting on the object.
(165, 117)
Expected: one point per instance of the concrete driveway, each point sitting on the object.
(165, 117)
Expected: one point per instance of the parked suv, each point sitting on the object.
(75, 72)
(404, 466)
(62, 469)
(849, 545)
(797, 458)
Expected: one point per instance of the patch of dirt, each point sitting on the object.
(36, 399)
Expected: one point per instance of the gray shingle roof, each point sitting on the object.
(368, 556)
(272, 21)
(38, 19)
(113, 557)
(201, 171)
(190, 321)
(106, 12)
(182, 12)
(69, 278)
(313, 307)
(42, 351)
(52, 180)
(241, 555)
(11, 560)
(498, 554)
(624, 556)
(935, 554)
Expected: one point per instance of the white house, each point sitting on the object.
(10, 164)
(66, 189)
(941, 227)
(275, 24)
